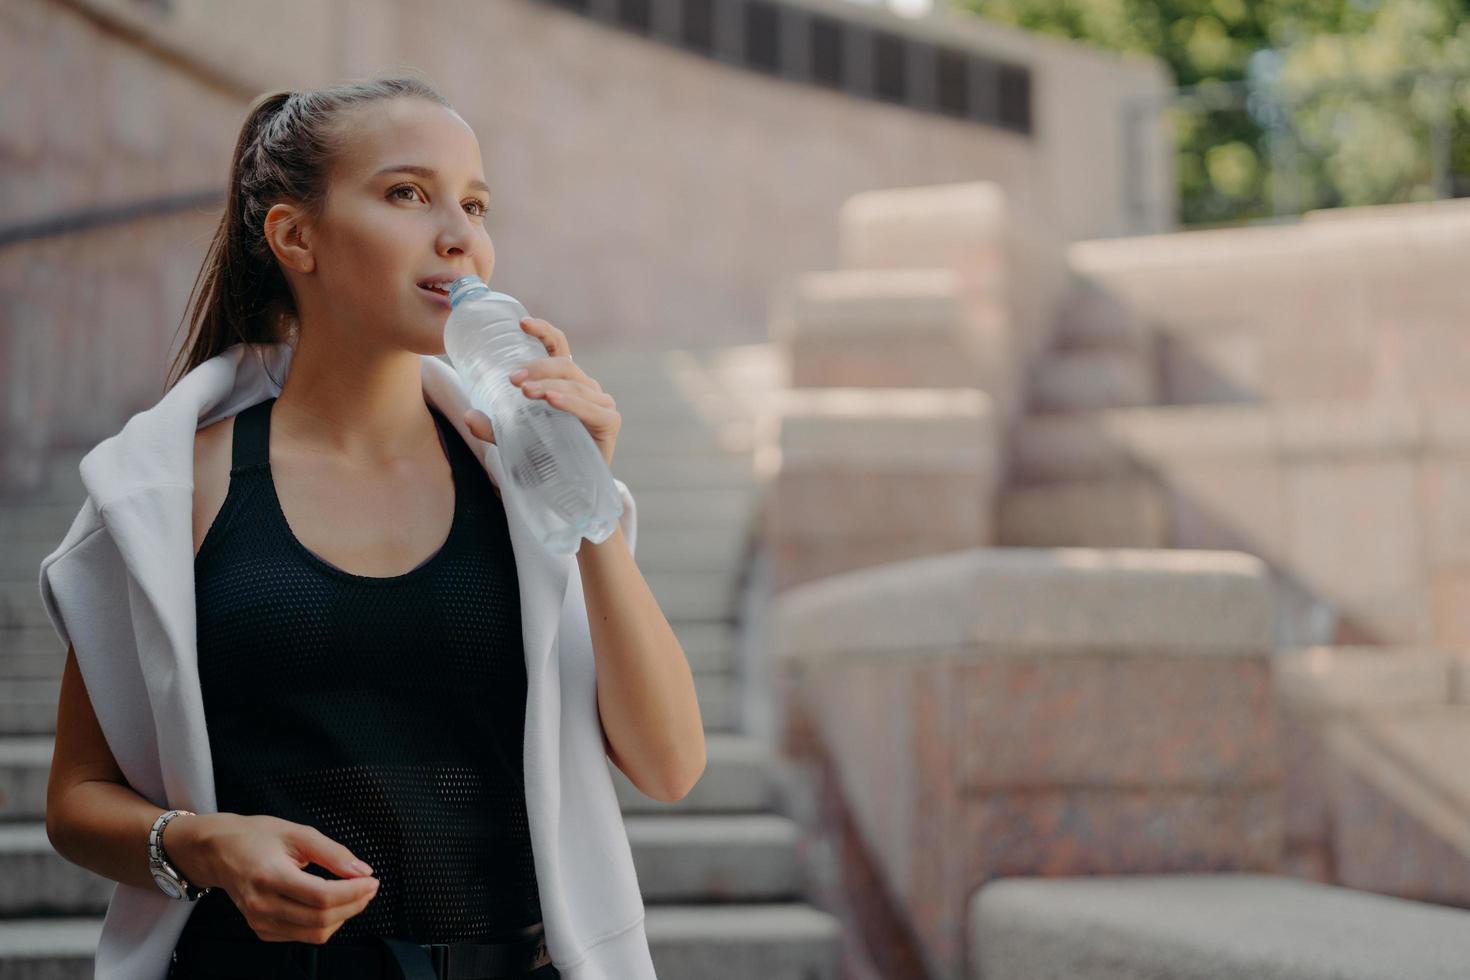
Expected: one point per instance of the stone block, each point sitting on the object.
(1231, 504)
(801, 559)
(1144, 720)
(939, 225)
(1223, 366)
(896, 328)
(1334, 680)
(1394, 619)
(1088, 380)
(1049, 600)
(1444, 501)
(1089, 316)
(1354, 527)
(1319, 688)
(1090, 514)
(854, 502)
(1208, 927)
(1401, 804)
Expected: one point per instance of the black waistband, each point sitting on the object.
(382, 957)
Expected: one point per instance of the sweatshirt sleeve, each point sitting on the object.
(87, 522)
(629, 519)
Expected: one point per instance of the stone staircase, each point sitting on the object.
(721, 870)
(1380, 798)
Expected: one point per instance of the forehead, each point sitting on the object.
(414, 131)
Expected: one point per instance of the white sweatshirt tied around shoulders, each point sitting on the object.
(120, 588)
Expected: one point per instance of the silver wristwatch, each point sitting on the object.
(170, 882)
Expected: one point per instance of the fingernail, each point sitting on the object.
(517, 376)
(361, 868)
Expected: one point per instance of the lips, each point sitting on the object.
(439, 297)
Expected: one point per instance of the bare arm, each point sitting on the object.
(645, 689)
(93, 817)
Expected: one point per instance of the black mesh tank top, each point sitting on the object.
(388, 713)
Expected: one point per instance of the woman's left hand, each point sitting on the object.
(564, 385)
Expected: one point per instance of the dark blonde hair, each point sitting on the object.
(284, 152)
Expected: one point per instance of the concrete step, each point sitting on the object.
(36, 881)
(737, 779)
(1083, 514)
(649, 472)
(31, 652)
(1267, 927)
(25, 767)
(719, 702)
(689, 942)
(702, 857)
(694, 595)
(1120, 442)
(35, 521)
(715, 858)
(673, 430)
(20, 603)
(29, 641)
(1091, 317)
(28, 707)
(670, 510)
(35, 667)
(49, 948)
(20, 555)
(743, 942)
(1401, 802)
(62, 482)
(1087, 380)
(708, 646)
(707, 549)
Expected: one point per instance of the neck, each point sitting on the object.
(358, 404)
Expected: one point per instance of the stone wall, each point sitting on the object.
(1361, 510)
(1363, 304)
(996, 712)
(639, 191)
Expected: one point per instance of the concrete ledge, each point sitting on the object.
(1065, 600)
(1202, 927)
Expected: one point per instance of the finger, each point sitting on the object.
(590, 410)
(284, 912)
(479, 425)
(323, 893)
(308, 845)
(556, 342)
(540, 386)
(553, 367)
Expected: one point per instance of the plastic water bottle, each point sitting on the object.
(566, 490)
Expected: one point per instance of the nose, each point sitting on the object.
(457, 235)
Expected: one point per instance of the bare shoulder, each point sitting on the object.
(213, 446)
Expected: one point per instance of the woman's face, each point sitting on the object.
(385, 229)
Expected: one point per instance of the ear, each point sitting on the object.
(289, 237)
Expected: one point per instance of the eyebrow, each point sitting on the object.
(425, 172)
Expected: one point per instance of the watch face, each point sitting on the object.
(169, 886)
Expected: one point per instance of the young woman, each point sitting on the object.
(371, 739)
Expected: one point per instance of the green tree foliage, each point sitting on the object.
(1332, 101)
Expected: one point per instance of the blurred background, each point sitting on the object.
(1047, 420)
